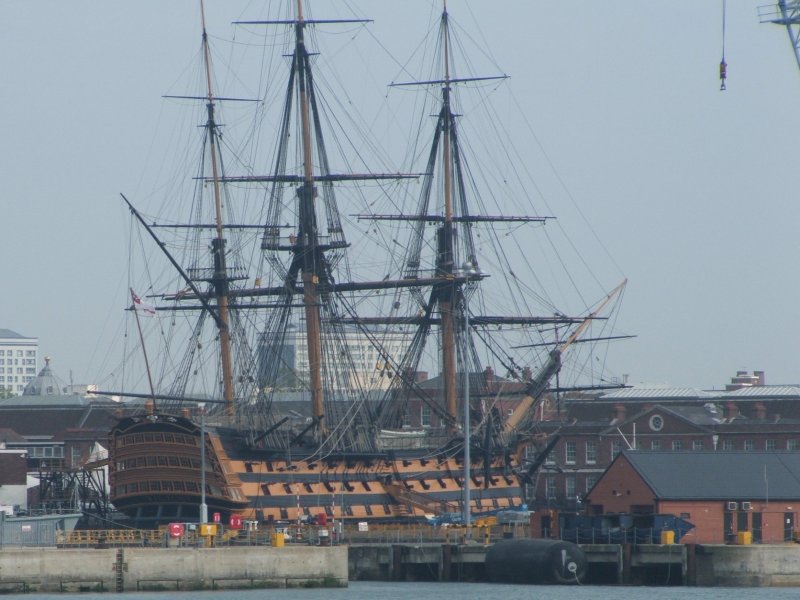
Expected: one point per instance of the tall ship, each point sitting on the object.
(340, 338)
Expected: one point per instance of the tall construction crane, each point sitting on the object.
(786, 13)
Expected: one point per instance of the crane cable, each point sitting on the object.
(723, 66)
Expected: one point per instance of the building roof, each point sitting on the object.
(660, 393)
(763, 391)
(54, 416)
(45, 383)
(718, 475)
(707, 414)
(9, 436)
(11, 335)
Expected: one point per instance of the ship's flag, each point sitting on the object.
(142, 308)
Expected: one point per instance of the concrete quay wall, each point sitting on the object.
(140, 569)
(747, 566)
(756, 565)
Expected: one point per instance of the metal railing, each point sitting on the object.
(314, 535)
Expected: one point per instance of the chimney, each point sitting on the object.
(759, 411)
(760, 378)
(488, 377)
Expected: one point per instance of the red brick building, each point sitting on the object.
(721, 493)
(593, 431)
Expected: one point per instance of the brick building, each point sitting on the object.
(591, 432)
(721, 493)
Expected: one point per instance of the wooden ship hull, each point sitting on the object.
(155, 479)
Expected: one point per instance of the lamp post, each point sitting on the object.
(203, 506)
(467, 457)
(469, 270)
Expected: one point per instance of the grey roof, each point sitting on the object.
(8, 334)
(657, 393)
(762, 391)
(719, 475)
(684, 393)
(44, 384)
(699, 415)
(42, 401)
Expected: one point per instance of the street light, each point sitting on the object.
(469, 270)
(203, 506)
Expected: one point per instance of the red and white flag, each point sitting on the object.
(142, 308)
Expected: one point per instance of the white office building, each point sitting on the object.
(19, 356)
(369, 369)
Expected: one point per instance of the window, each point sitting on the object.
(551, 488)
(590, 481)
(770, 445)
(591, 452)
(570, 452)
(530, 453)
(569, 484)
(749, 445)
(677, 445)
(425, 416)
(656, 422)
(615, 449)
(655, 445)
(791, 444)
(697, 445)
(728, 445)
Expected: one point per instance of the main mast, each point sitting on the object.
(307, 235)
(220, 275)
(444, 265)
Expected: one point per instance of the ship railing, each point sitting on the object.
(43, 511)
(332, 533)
(109, 538)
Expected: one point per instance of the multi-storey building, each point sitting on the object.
(18, 359)
(370, 368)
(589, 433)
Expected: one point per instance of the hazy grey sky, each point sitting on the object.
(690, 189)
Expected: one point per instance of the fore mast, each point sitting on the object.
(220, 275)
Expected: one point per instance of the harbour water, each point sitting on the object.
(463, 591)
